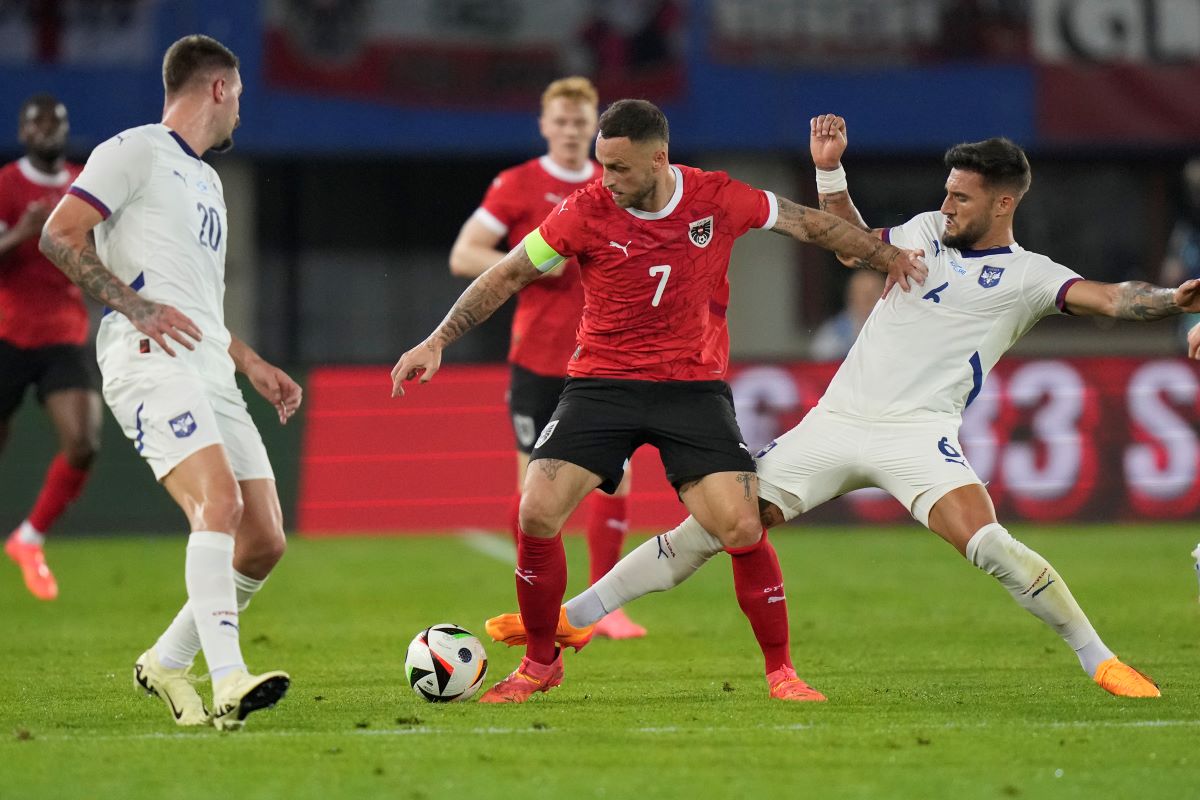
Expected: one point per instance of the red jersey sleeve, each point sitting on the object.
(564, 228)
(502, 203)
(747, 206)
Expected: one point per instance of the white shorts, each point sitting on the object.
(169, 414)
(829, 454)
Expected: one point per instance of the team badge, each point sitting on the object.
(546, 433)
(524, 428)
(184, 425)
(990, 276)
(700, 231)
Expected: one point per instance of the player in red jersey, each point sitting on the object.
(652, 241)
(43, 330)
(548, 311)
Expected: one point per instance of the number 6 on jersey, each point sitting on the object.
(665, 271)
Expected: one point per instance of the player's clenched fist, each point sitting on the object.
(827, 140)
(425, 359)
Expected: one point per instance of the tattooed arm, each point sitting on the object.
(1132, 300)
(68, 242)
(849, 242)
(485, 294)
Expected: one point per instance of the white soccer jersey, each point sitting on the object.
(164, 234)
(924, 354)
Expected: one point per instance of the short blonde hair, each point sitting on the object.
(575, 88)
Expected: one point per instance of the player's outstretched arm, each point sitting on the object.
(481, 299)
(68, 242)
(851, 243)
(827, 142)
(1132, 300)
(268, 380)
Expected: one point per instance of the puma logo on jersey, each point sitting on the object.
(179, 175)
(623, 248)
(563, 207)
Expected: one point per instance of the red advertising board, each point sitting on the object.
(1055, 440)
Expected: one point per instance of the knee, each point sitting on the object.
(222, 510)
(80, 451)
(261, 557)
(745, 531)
(536, 517)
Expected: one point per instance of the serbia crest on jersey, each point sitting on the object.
(548, 310)
(925, 353)
(39, 306)
(655, 284)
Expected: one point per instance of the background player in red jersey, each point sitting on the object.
(43, 329)
(549, 309)
(652, 241)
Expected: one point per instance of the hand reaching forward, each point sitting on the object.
(425, 359)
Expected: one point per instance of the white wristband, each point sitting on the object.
(831, 180)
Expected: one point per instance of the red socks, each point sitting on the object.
(63, 484)
(541, 584)
(607, 522)
(758, 582)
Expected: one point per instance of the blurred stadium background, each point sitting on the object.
(371, 128)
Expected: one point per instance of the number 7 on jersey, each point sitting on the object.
(665, 271)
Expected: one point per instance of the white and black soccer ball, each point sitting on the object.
(445, 663)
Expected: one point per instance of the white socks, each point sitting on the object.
(27, 534)
(1035, 585)
(656, 565)
(179, 643)
(212, 597)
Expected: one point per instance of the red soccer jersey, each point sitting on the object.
(39, 306)
(656, 285)
(548, 310)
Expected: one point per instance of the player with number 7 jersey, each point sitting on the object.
(652, 240)
(656, 283)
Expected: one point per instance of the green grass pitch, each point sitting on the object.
(939, 685)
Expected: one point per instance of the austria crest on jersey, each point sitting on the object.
(990, 276)
(700, 231)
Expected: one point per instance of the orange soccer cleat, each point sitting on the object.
(618, 625)
(786, 685)
(32, 561)
(525, 680)
(510, 629)
(1118, 678)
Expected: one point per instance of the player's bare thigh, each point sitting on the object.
(623, 488)
(203, 485)
(726, 505)
(961, 513)
(553, 489)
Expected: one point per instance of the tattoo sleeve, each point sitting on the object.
(1142, 302)
(80, 262)
(840, 205)
(828, 231)
(485, 294)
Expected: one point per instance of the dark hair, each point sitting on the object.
(192, 57)
(637, 120)
(39, 100)
(1000, 161)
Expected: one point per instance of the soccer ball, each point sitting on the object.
(445, 663)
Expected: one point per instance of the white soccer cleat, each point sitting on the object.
(175, 687)
(240, 693)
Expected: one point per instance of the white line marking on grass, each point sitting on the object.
(489, 544)
(425, 730)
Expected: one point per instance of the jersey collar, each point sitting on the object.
(565, 175)
(671, 204)
(991, 251)
(184, 146)
(36, 176)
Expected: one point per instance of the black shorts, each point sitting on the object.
(51, 369)
(599, 422)
(532, 399)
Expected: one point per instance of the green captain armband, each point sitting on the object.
(541, 254)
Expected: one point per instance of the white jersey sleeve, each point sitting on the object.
(915, 234)
(1045, 287)
(115, 173)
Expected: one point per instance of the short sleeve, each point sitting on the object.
(564, 228)
(916, 233)
(1045, 288)
(749, 207)
(7, 217)
(115, 172)
(500, 210)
